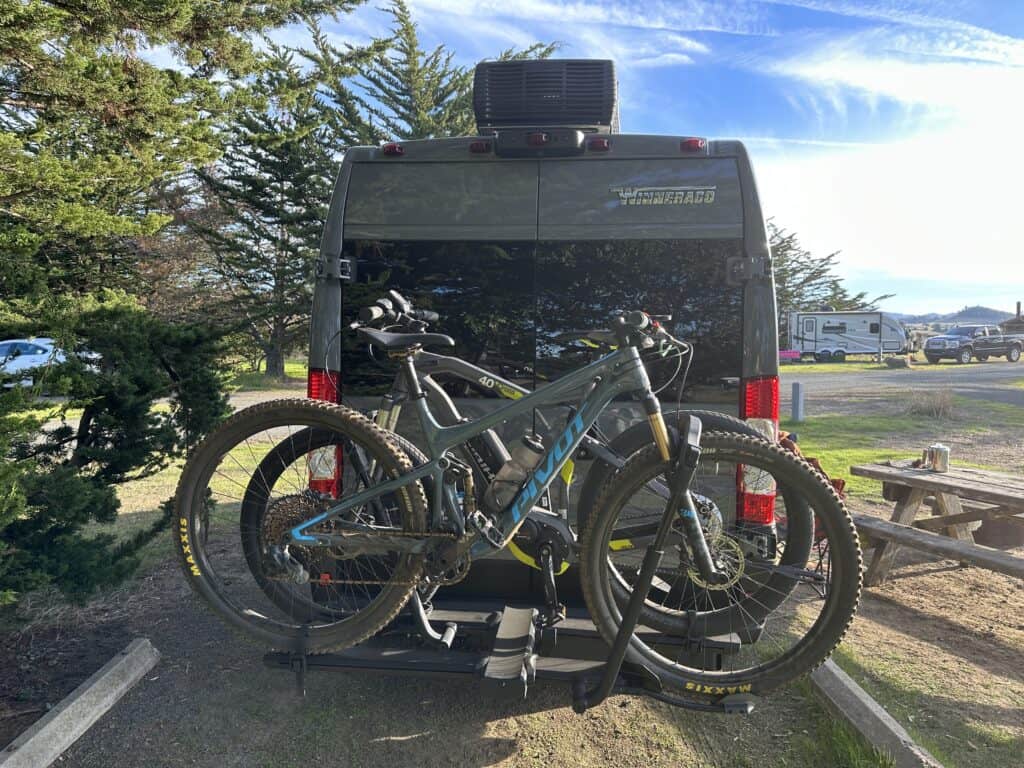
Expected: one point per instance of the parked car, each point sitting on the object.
(22, 355)
(966, 342)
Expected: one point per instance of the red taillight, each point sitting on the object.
(755, 489)
(538, 139)
(480, 147)
(324, 464)
(759, 398)
(693, 144)
(599, 145)
(393, 149)
(322, 385)
(756, 508)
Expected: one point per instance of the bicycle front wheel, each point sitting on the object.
(267, 469)
(784, 607)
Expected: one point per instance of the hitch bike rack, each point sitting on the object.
(499, 642)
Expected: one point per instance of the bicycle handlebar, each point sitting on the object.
(396, 310)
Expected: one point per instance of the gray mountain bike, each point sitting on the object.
(346, 562)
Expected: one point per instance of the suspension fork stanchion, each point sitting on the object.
(682, 475)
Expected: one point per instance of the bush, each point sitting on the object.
(61, 478)
(938, 405)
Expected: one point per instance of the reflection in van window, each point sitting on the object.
(512, 306)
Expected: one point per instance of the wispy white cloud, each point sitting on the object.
(743, 17)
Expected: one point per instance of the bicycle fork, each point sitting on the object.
(679, 503)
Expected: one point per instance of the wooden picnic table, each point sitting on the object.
(957, 498)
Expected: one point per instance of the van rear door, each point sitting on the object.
(642, 198)
(473, 200)
(650, 232)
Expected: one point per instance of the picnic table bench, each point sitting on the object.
(957, 499)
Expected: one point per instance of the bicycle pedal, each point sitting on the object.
(486, 528)
(551, 616)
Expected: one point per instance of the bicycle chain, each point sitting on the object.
(485, 470)
(407, 534)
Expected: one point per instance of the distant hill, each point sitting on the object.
(965, 316)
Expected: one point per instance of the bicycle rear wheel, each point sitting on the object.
(240, 494)
(783, 609)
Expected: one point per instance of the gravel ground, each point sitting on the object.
(944, 647)
(210, 702)
(992, 380)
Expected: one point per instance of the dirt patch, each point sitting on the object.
(48, 658)
(942, 647)
(211, 702)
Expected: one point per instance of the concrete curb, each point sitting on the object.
(852, 704)
(59, 728)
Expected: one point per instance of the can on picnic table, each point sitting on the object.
(936, 458)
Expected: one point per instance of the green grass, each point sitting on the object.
(834, 743)
(854, 366)
(848, 367)
(249, 381)
(955, 741)
(842, 441)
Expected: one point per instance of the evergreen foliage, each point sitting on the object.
(90, 131)
(265, 202)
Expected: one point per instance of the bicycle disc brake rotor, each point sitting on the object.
(725, 550)
(728, 557)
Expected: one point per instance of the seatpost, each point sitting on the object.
(412, 381)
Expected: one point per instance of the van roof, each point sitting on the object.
(620, 145)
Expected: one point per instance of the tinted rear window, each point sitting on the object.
(511, 305)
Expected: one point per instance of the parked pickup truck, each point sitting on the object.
(974, 341)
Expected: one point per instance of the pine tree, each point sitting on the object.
(90, 129)
(266, 201)
(403, 91)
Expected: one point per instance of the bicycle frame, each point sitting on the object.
(617, 373)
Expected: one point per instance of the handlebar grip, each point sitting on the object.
(637, 319)
(402, 304)
(425, 315)
(371, 314)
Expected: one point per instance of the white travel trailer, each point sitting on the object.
(834, 335)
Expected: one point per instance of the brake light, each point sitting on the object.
(599, 145)
(693, 144)
(538, 139)
(756, 489)
(324, 464)
(480, 147)
(759, 404)
(393, 149)
(322, 385)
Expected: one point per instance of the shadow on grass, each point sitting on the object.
(953, 739)
(953, 638)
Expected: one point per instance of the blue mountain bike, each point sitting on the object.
(280, 556)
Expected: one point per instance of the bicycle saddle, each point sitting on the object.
(392, 341)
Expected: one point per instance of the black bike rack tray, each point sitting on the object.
(502, 646)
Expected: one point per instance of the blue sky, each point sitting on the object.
(891, 131)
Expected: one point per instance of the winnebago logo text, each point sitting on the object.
(664, 195)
